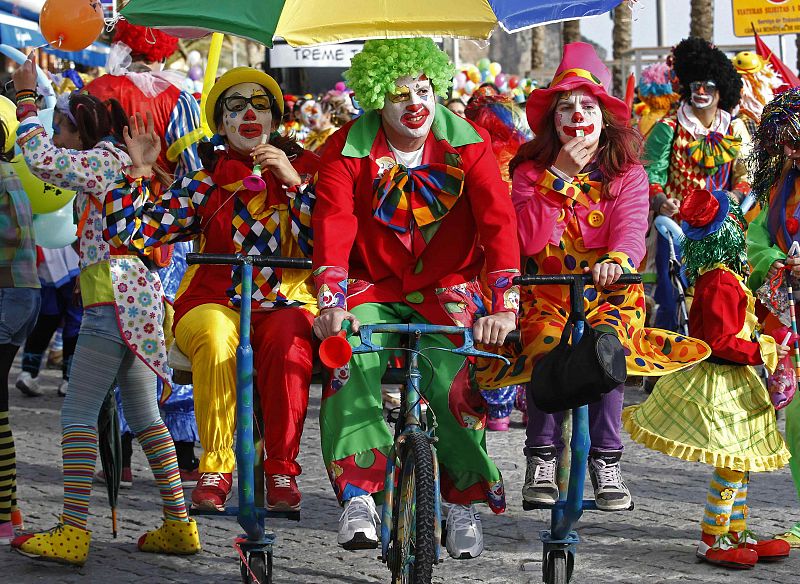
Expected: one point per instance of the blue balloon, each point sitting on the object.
(55, 230)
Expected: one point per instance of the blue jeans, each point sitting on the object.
(19, 308)
(666, 295)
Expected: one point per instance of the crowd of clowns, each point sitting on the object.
(413, 208)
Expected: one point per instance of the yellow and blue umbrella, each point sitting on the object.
(311, 22)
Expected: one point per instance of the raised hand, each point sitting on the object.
(25, 75)
(573, 156)
(144, 144)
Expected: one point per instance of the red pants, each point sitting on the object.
(283, 349)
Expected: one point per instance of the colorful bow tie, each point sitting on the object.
(425, 193)
(714, 150)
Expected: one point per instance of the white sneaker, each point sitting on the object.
(63, 387)
(28, 385)
(464, 532)
(358, 524)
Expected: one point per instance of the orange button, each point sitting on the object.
(580, 246)
(561, 215)
(596, 218)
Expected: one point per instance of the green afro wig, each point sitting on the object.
(375, 69)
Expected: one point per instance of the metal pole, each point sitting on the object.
(780, 43)
(660, 23)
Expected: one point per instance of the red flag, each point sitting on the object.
(786, 74)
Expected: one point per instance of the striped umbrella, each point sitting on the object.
(311, 22)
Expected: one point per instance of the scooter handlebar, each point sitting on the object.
(239, 259)
(567, 279)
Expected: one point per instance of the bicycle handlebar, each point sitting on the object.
(429, 329)
(568, 279)
(239, 259)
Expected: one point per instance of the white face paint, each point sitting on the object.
(704, 99)
(243, 129)
(578, 113)
(309, 112)
(410, 110)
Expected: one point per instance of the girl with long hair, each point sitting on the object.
(580, 193)
(121, 337)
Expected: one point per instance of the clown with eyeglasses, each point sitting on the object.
(699, 147)
(215, 209)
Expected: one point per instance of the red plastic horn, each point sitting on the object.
(335, 351)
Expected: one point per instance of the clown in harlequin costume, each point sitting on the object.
(136, 79)
(405, 194)
(698, 147)
(719, 412)
(213, 208)
(121, 336)
(776, 151)
(580, 195)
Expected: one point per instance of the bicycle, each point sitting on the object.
(411, 517)
(255, 547)
(560, 541)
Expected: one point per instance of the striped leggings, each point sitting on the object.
(101, 359)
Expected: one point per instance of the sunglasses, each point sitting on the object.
(708, 86)
(237, 103)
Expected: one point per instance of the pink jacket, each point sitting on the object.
(544, 206)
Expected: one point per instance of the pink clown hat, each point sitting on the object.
(580, 68)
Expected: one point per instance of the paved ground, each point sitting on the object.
(653, 544)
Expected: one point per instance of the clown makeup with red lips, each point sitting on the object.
(408, 112)
(244, 129)
(578, 114)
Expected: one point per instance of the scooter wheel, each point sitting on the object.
(260, 568)
(555, 568)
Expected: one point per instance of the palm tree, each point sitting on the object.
(538, 35)
(622, 41)
(571, 31)
(702, 19)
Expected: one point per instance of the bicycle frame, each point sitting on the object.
(411, 420)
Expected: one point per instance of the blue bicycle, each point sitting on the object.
(411, 518)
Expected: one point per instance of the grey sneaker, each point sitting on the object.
(28, 385)
(540, 475)
(358, 525)
(62, 388)
(610, 492)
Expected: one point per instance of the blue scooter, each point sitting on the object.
(561, 540)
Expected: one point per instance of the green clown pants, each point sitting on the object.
(356, 440)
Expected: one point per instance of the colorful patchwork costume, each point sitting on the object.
(719, 412)
(398, 244)
(682, 154)
(213, 208)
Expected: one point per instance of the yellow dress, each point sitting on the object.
(717, 414)
(544, 312)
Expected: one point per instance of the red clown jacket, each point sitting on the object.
(358, 259)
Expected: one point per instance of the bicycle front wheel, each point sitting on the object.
(413, 547)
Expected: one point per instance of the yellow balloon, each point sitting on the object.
(44, 198)
(495, 68)
(8, 113)
(475, 76)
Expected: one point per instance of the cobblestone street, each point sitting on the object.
(654, 543)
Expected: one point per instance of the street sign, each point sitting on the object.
(284, 56)
(769, 17)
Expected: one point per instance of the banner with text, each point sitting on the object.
(339, 55)
(769, 17)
